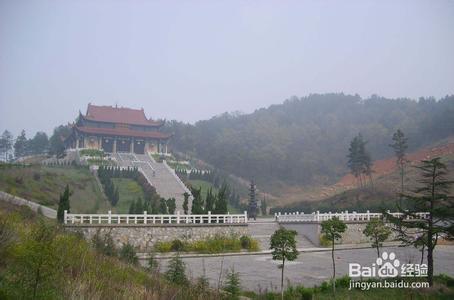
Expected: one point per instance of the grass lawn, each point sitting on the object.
(44, 185)
(129, 191)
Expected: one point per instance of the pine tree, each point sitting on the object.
(63, 204)
(232, 285)
(186, 203)
(163, 206)
(139, 206)
(171, 205)
(176, 271)
(20, 146)
(264, 207)
(400, 147)
(252, 207)
(354, 161)
(432, 197)
(210, 201)
(132, 207)
(221, 202)
(197, 202)
(6, 142)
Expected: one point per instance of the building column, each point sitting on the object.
(132, 146)
(166, 148)
(77, 143)
(145, 149)
(114, 147)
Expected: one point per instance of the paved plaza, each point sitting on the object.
(260, 272)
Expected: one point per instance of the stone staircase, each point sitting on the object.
(262, 229)
(159, 175)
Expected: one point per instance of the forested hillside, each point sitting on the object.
(305, 140)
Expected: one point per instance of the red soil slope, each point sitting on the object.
(386, 166)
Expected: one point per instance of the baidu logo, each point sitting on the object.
(387, 266)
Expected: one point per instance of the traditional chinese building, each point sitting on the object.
(117, 129)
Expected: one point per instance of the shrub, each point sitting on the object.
(163, 246)
(176, 271)
(245, 241)
(153, 264)
(128, 254)
(177, 245)
(232, 285)
(36, 176)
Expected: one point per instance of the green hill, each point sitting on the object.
(44, 185)
(304, 141)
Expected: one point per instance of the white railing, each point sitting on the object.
(132, 219)
(344, 216)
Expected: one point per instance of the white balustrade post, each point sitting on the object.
(347, 218)
(178, 217)
(64, 216)
(317, 216)
(245, 216)
(145, 217)
(209, 217)
(109, 218)
(368, 215)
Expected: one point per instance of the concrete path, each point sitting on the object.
(260, 272)
(48, 212)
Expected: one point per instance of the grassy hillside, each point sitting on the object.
(44, 185)
(129, 191)
(39, 260)
(383, 194)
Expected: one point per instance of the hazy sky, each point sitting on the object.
(190, 60)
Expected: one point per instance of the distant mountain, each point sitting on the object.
(305, 140)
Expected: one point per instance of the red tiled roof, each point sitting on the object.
(123, 132)
(119, 115)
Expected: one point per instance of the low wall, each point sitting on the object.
(143, 237)
(353, 234)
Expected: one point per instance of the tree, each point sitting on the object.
(176, 271)
(252, 207)
(20, 146)
(332, 230)
(35, 264)
(163, 206)
(63, 204)
(283, 244)
(354, 162)
(210, 200)
(171, 205)
(6, 142)
(232, 284)
(359, 159)
(377, 232)
(56, 141)
(221, 203)
(186, 203)
(132, 207)
(128, 254)
(431, 197)
(153, 264)
(197, 202)
(39, 144)
(264, 207)
(400, 147)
